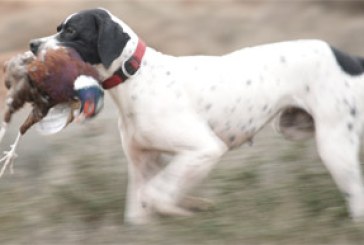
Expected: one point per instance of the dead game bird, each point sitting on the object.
(58, 84)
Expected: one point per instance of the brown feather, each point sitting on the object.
(55, 75)
(43, 82)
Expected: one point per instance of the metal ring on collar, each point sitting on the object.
(126, 73)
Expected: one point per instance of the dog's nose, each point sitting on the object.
(34, 46)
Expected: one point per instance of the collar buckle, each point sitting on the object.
(128, 68)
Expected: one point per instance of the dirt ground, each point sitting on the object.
(70, 188)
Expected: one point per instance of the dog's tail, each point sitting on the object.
(295, 124)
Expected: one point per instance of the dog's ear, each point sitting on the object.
(111, 41)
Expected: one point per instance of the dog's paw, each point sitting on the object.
(163, 203)
(173, 211)
(139, 220)
(196, 204)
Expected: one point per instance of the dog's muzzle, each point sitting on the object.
(50, 42)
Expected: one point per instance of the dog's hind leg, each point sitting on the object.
(338, 146)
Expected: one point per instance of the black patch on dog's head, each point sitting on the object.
(350, 64)
(94, 35)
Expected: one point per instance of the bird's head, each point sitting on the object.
(90, 95)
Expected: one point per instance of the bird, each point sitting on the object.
(57, 78)
(57, 71)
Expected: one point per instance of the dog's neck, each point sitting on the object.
(128, 68)
(127, 52)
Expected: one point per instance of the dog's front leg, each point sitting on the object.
(196, 150)
(142, 166)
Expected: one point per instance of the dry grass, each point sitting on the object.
(70, 188)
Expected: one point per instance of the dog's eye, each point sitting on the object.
(70, 31)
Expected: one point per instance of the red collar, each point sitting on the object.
(128, 68)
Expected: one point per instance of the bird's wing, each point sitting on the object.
(57, 119)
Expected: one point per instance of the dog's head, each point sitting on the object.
(95, 34)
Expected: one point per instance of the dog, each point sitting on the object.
(189, 111)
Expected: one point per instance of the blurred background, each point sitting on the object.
(70, 188)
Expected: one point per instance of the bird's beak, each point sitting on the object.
(89, 109)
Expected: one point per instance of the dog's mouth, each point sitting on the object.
(39, 44)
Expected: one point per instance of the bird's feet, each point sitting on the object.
(9, 157)
(3, 129)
